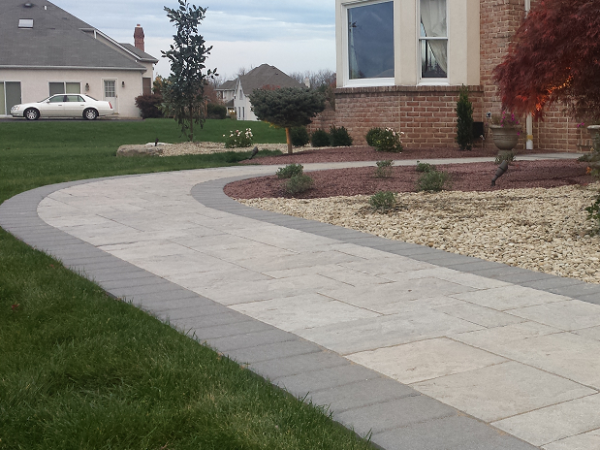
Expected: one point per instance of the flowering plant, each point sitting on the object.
(239, 138)
(387, 140)
(508, 120)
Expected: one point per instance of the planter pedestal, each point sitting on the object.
(594, 131)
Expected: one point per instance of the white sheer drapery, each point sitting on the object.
(433, 18)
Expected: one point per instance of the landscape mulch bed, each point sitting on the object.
(463, 177)
(365, 153)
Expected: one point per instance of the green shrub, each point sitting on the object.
(373, 136)
(289, 171)
(383, 201)
(298, 184)
(340, 137)
(149, 106)
(505, 156)
(216, 111)
(299, 136)
(464, 121)
(387, 141)
(424, 167)
(320, 138)
(239, 139)
(384, 168)
(433, 181)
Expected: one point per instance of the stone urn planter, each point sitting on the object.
(594, 131)
(505, 137)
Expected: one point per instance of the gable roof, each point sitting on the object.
(266, 75)
(57, 40)
(227, 86)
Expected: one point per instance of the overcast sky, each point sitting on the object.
(294, 36)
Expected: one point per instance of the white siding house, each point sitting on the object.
(44, 51)
(238, 90)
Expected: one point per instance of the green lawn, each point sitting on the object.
(79, 370)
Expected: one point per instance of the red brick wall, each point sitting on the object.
(426, 114)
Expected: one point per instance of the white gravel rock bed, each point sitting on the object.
(545, 230)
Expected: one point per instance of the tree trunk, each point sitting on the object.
(191, 124)
(288, 136)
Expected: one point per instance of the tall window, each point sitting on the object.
(434, 39)
(371, 41)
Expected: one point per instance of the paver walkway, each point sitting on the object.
(425, 349)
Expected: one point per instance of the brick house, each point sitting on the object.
(401, 63)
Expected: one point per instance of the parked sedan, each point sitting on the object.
(64, 105)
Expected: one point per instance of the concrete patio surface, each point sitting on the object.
(421, 348)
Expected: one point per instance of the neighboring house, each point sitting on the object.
(238, 90)
(45, 51)
(400, 63)
(226, 93)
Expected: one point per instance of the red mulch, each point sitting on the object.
(345, 154)
(464, 177)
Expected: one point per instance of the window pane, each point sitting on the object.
(73, 98)
(57, 88)
(433, 18)
(109, 88)
(58, 99)
(434, 58)
(73, 88)
(2, 99)
(371, 41)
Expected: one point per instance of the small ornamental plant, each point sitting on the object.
(289, 171)
(239, 139)
(386, 140)
(320, 138)
(383, 201)
(373, 136)
(340, 137)
(506, 120)
(425, 167)
(433, 181)
(384, 168)
(298, 184)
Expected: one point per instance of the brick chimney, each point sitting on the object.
(138, 37)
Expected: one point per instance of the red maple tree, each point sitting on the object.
(554, 57)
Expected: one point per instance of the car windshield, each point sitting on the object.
(46, 99)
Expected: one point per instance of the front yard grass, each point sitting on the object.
(79, 370)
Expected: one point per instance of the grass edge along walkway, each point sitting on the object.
(80, 370)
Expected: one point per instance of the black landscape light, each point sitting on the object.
(502, 168)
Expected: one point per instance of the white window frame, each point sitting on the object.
(431, 81)
(364, 82)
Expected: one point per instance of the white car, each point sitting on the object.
(64, 105)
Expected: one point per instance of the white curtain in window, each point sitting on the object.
(433, 18)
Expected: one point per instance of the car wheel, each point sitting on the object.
(32, 114)
(90, 114)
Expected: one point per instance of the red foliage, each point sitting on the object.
(555, 56)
